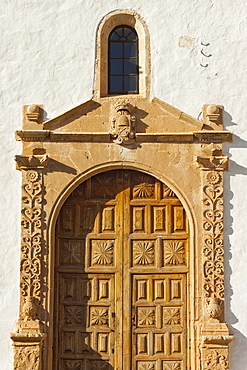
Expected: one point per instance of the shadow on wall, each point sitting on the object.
(238, 353)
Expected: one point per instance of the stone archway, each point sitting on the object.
(164, 142)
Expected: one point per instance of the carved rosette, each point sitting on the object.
(29, 335)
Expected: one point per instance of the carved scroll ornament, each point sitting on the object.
(215, 334)
(29, 335)
(213, 250)
(31, 235)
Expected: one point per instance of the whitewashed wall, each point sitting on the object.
(47, 54)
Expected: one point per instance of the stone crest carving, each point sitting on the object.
(123, 124)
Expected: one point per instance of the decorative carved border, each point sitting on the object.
(31, 234)
(213, 250)
(215, 334)
(28, 337)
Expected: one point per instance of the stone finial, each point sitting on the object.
(33, 112)
(29, 308)
(212, 113)
(214, 308)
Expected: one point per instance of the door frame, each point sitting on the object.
(184, 153)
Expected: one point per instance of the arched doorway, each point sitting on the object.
(121, 276)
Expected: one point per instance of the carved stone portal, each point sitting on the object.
(101, 221)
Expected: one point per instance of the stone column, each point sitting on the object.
(215, 333)
(27, 340)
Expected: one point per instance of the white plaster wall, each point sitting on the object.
(47, 54)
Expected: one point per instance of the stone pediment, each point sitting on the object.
(151, 117)
(142, 121)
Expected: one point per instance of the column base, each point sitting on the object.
(27, 343)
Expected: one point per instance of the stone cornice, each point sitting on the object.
(213, 163)
(217, 339)
(31, 135)
(80, 137)
(206, 137)
(25, 162)
(213, 136)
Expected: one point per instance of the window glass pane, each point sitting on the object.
(130, 83)
(127, 31)
(129, 49)
(116, 67)
(132, 36)
(123, 61)
(114, 36)
(120, 31)
(130, 66)
(116, 84)
(116, 50)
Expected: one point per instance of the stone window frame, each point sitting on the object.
(108, 23)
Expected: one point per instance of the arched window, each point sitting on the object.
(123, 63)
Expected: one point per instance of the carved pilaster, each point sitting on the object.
(215, 335)
(28, 336)
(31, 234)
(213, 248)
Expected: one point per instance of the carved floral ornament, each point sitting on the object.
(29, 334)
(216, 360)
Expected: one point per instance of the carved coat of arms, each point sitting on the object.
(123, 124)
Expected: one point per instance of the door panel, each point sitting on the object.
(120, 277)
(158, 321)
(86, 316)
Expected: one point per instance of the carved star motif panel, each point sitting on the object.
(87, 326)
(121, 232)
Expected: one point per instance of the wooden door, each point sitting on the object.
(120, 279)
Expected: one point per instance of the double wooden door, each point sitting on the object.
(120, 276)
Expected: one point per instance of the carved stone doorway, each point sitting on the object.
(121, 276)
